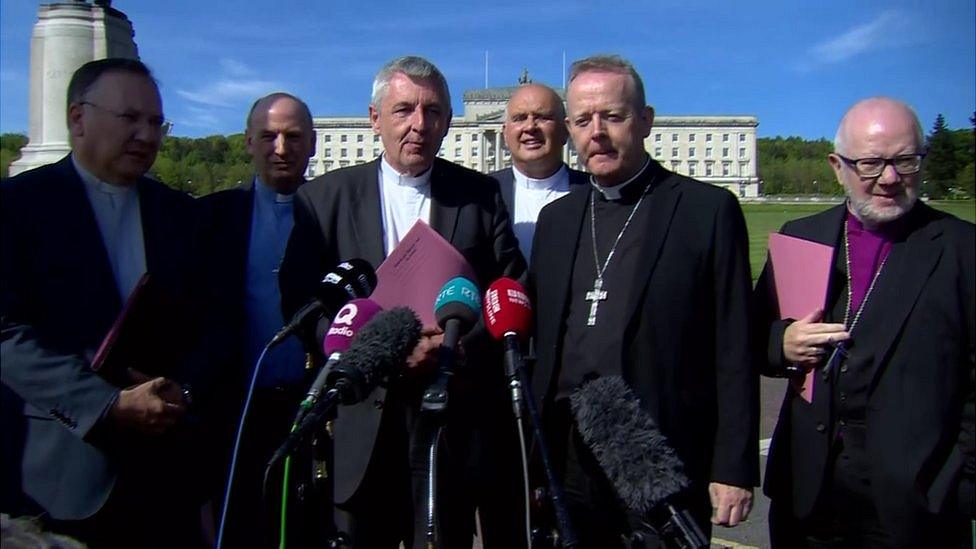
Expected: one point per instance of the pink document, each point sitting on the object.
(413, 274)
(801, 272)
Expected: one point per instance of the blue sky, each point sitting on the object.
(795, 64)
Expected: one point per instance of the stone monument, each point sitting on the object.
(68, 34)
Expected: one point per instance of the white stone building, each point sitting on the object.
(716, 149)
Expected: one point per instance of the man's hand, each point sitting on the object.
(730, 504)
(807, 340)
(424, 355)
(151, 407)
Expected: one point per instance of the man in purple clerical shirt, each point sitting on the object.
(883, 454)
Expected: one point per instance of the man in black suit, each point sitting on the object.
(645, 274)
(363, 211)
(883, 455)
(535, 133)
(101, 462)
(247, 230)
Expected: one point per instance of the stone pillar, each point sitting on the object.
(67, 35)
(498, 150)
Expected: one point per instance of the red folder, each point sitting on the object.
(801, 273)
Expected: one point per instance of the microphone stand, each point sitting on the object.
(521, 385)
(433, 407)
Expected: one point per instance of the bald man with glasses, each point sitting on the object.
(883, 455)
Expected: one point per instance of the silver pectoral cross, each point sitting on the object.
(595, 296)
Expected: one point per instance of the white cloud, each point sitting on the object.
(234, 86)
(888, 29)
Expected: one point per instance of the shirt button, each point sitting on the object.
(821, 428)
(843, 423)
(843, 397)
(844, 368)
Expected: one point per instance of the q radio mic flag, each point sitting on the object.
(346, 324)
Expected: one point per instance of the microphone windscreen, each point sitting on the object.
(627, 444)
(381, 346)
(347, 323)
(458, 299)
(507, 309)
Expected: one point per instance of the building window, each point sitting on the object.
(474, 151)
(674, 137)
(708, 138)
(474, 138)
(457, 137)
(691, 152)
(328, 153)
(328, 138)
(328, 166)
(311, 170)
(691, 137)
(692, 168)
(359, 153)
(343, 163)
(725, 152)
(743, 168)
(376, 139)
(376, 152)
(742, 138)
(725, 138)
(657, 138)
(675, 165)
(342, 138)
(708, 152)
(457, 152)
(657, 152)
(742, 152)
(726, 166)
(708, 168)
(674, 152)
(342, 153)
(359, 138)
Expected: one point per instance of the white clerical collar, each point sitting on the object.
(269, 194)
(97, 184)
(556, 181)
(391, 174)
(614, 192)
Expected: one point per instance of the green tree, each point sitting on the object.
(941, 165)
(10, 145)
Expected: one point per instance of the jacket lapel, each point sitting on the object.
(443, 210)
(907, 269)
(367, 221)
(661, 204)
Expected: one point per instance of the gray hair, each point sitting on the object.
(840, 137)
(610, 63)
(271, 97)
(413, 67)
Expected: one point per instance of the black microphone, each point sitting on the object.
(636, 457)
(456, 309)
(381, 346)
(348, 280)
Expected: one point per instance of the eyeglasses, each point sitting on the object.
(904, 164)
(158, 123)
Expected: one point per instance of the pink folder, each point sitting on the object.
(414, 273)
(801, 272)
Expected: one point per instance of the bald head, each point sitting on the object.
(535, 131)
(280, 138)
(873, 115)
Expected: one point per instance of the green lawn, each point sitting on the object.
(762, 219)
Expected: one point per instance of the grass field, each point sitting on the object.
(762, 219)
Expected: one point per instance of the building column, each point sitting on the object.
(498, 150)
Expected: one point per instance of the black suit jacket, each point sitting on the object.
(916, 335)
(338, 217)
(58, 299)
(686, 350)
(506, 183)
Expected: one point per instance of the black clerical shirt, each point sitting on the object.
(589, 351)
